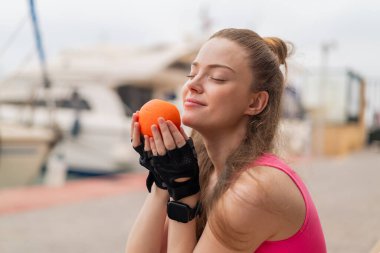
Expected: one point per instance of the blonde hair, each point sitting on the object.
(265, 56)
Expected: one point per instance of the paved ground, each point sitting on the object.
(347, 194)
(96, 215)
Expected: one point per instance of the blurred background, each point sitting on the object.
(73, 72)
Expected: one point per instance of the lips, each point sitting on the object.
(194, 101)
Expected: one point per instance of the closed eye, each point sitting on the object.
(217, 79)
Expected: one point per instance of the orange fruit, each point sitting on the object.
(152, 110)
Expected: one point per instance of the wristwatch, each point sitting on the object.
(181, 212)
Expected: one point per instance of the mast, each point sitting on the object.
(42, 60)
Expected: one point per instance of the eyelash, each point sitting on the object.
(218, 80)
(215, 79)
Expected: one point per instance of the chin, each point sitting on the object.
(187, 121)
(197, 125)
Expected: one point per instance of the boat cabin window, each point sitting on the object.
(133, 97)
(66, 103)
(75, 101)
(180, 65)
(70, 104)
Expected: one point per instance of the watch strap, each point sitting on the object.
(182, 212)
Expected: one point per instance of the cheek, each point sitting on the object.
(233, 102)
(184, 91)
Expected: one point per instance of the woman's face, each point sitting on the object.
(217, 93)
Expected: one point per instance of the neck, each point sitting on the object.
(220, 144)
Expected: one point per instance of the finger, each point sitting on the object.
(177, 135)
(161, 150)
(136, 135)
(153, 146)
(132, 125)
(146, 143)
(135, 118)
(166, 135)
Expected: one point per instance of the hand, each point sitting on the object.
(175, 159)
(138, 144)
(168, 137)
(141, 145)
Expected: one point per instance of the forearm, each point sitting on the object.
(182, 236)
(147, 232)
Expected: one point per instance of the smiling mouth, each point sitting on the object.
(190, 101)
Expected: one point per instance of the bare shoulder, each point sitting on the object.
(271, 192)
(258, 191)
(261, 205)
(268, 183)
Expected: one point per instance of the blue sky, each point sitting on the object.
(352, 26)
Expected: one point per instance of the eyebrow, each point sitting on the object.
(215, 66)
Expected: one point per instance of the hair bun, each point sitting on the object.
(279, 48)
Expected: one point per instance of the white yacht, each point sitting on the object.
(94, 92)
(23, 150)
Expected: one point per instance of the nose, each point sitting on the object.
(195, 84)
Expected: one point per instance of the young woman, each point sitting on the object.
(232, 194)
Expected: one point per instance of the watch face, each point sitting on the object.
(178, 211)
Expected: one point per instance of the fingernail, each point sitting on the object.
(161, 120)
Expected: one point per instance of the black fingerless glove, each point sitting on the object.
(146, 161)
(179, 163)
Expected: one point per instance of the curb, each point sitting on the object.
(38, 197)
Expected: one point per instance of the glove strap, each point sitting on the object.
(146, 161)
(184, 189)
(154, 178)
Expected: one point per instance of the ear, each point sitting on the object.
(259, 101)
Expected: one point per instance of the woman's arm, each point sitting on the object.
(164, 246)
(174, 156)
(182, 236)
(149, 229)
(259, 206)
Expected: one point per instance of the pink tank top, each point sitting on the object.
(309, 237)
